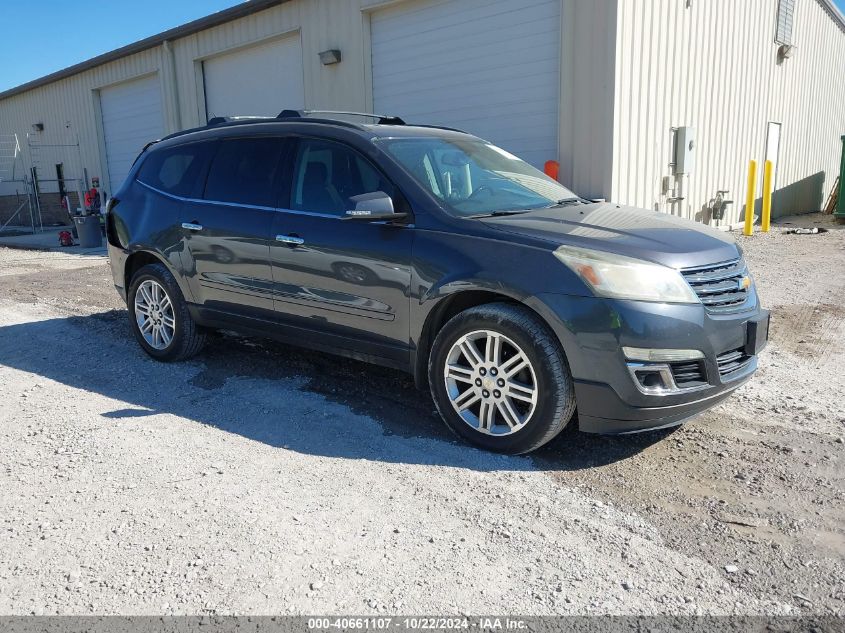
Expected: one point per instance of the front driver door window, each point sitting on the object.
(345, 278)
(328, 174)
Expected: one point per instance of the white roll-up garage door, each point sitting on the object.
(132, 117)
(490, 67)
(260, 80)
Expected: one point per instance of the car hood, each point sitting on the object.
(648, 235)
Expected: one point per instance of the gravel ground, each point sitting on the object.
(262, 479)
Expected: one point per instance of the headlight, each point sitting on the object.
(621, 277)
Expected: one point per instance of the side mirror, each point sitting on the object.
(373, 207)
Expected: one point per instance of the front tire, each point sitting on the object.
(500, 379)
(159, 316)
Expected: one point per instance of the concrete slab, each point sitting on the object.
(48, 240)
(809, 220)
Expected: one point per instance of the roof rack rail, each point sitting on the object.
(218, 120)
(383, 119)
(441, 127)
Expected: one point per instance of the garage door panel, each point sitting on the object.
(488, 66)
(418, 85)
(138, 124)
(129, 111)
(443, 17)
(537, 41)
(476, 105)
(260, 80)
(490, 116)
(521, 63)
(132, 117)
(488, 29)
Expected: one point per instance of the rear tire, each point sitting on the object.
(500, 380)
(159, 316)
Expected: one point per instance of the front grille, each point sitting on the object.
(688, 373)
(732, 361)
(720, 287)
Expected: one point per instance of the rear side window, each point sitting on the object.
(176, 170)
(245, 171)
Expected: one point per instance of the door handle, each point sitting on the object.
(191, 226)
(290, 239)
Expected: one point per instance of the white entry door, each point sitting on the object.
(132, 117)
(259, 80)
(490, 67)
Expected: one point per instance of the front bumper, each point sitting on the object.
(593, 332)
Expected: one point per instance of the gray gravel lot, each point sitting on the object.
(263, 479)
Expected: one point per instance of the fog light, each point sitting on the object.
(648, 355)
(652, 379)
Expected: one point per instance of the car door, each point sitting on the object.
(347, 281)
(227, 232)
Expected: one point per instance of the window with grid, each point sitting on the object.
(786, 19)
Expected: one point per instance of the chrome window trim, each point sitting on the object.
(173, 196)
(314, 214)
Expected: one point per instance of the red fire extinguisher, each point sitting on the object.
(92, 200)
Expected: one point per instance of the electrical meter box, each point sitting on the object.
(684, 150)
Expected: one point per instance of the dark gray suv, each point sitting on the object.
(516, 302)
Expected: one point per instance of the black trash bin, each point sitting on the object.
(88, 227)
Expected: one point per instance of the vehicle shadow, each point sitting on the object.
(282, 396)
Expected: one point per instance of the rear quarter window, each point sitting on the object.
(178, 170)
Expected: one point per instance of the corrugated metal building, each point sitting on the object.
(601, 86)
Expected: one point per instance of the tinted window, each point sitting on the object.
(176, 170)
(327, 175)
(244, 170)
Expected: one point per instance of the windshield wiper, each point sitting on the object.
(565, 202)
(494, 214)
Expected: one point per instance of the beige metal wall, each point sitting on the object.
(630, 71)
(588, 35)
(713, 64)
(69, 111)
(69, 108)
(588, 64)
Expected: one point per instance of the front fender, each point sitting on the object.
(483, 269)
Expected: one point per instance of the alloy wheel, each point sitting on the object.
(490, 382)
(154, 314)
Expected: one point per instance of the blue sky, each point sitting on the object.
(71, 31)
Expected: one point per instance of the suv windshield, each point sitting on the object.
(472, 177)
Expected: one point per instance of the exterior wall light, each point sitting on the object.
(38, 127)
(329, 57)
(785, 51)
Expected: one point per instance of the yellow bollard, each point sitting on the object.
(749, 199)
(766, 219)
